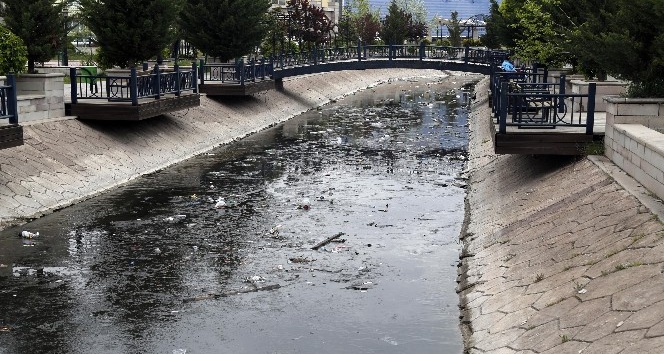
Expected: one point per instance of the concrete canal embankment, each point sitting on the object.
(68, 160)
(561, 255)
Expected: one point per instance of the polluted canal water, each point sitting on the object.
(335, 232)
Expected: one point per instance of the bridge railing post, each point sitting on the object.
(466, 55)
(178, 86)
(315, 53)
(241, 68)
(590, 117)
(422, 51)
(502, 115)
(253, 70)
(390, 50)
(146, 66)
(561, 93)
(359, 50)
(194, 76)
(157, 81)
(201, 72)
(74, 85)
(133, 87)
(12, 100)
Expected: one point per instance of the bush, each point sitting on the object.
(13, 53)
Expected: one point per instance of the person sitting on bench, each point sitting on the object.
(507, 65)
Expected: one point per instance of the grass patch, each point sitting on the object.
(539, 277)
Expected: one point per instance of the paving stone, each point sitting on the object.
(619, 279)
(644, 318)
(656, 330)
(500, 300)
(567, 347)
(512, 320)
(496, 341)
(485, 321)
(585, 312)
(552, 312)
(595, 348)
(602, 326)
(637, 297)
(622, 339)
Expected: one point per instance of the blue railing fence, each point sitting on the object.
(235, 73)
(8, 100)
(134, 86)
(526, 100)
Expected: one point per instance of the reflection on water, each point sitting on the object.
(216, 252)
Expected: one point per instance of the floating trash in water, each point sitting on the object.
(255, 279)
(28, 234)
(304, 204)
(179, 351)
(220, 203)
(157, 250)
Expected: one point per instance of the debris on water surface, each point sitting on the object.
(300, 260)
(254, 279)
(179, 351)
(28, 234)
(327, 240)
(362, 286)
(220, 203)
(304, 204)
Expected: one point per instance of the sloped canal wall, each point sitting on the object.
(68, 160)
(560, 254)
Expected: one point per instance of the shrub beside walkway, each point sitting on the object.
(558, 256)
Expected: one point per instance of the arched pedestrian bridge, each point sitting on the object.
(257, 75)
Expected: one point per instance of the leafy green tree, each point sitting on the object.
(39, 23)
(495, 24)
(626, 39)
(129, 32)
(510, 30)
(13, 54)
(225, 29)
(454, 30)
(543, 40)
(395, 28)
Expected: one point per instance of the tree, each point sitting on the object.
(626, 39)
(225, 29)
(395, 27)
(129, 32)
(310, 24)
(13, 54)
(39, 23)
(494, 25)
(543, 39)
(359, 20)
(454, 30)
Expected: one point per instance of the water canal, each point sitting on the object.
(214, 255)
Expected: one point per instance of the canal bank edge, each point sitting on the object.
(65, 161)
(559, 256)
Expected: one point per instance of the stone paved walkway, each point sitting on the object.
(559, 257)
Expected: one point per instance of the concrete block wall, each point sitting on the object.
(604, 88)
(633, 144)
(40, 96)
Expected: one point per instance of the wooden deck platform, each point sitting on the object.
(558, 141)
(249, 88)
(146, 108)
(11, 135)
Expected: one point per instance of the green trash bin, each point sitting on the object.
(88, 71)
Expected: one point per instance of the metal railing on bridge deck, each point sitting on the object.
(8, 100)
(240, 73)
(390, 52)
(526, 100)
(257, 70)
(133, 87)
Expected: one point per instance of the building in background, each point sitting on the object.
(471, 14)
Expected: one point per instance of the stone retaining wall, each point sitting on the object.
(68, 160)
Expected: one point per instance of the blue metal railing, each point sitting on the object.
(123, 88)
(240, 73)
(256, 70)
(526, 100)
(8, 101)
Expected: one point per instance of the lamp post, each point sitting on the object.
(65, 56)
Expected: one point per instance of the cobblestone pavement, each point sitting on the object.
(67, 160)
(559, 257)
